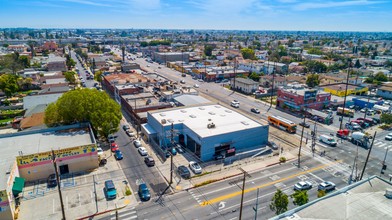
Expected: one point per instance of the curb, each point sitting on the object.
(234, 175)
(101, 213)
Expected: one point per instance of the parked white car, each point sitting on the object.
(99, 151)
(142, 151)
(303, 185)
(195, 167)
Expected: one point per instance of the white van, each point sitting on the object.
(328, 140)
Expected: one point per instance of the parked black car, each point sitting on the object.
(52, 181)
(184, 172)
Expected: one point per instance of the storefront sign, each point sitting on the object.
(63, 154)
(310, 95)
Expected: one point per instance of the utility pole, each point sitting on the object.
(367, 158)
(273, 82)
(242, 190)
(171, 155)
(367, 107)
(58, 183)
(314, 136)
(345, 94)
(257, 203)
(300, 144)
(384, 166)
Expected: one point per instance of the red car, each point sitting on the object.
(114, 147)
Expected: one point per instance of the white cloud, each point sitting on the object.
(333, 4)
(87, 2)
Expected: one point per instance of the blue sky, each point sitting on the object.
(325, 15)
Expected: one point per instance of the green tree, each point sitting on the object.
(386, 118)
(70, 77)
(69, 61)
(282, 51)
(85, 105)
(321, 193)
(381, 77)
(98, 76)
(248, 53)
(208, 49)
(300, 197)
(9, 84)
(357, 64)
(24, 61)
(279, 202)
(254, 76)
(312, 80)
(315, 50)
(315, 66)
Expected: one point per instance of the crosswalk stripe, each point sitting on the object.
(378, 143)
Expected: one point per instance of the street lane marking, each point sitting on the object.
(248, 181)
(231, 195)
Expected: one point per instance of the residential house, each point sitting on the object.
(56, 63)
(243, 85)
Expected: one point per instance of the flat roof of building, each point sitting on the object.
(362, 200)
(341, 87)
(301, 92)
(30, 142)
(197, 118)
(124, 78)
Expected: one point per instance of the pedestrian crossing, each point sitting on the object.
(382, 144)
(196, 196)
(124, 214)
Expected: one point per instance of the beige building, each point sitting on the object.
(27, 156)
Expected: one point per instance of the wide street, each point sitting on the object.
(345, 151)
(132, 165)
(221, 200)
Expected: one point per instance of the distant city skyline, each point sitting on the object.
(304, 15)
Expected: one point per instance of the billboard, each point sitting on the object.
(310, 95)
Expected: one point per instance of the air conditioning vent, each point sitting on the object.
(163, 121)
(192, 116)
(211, 125)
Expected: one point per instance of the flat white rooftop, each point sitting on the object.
(13, 144)
(197, 118)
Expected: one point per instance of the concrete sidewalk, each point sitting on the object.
(217, 172)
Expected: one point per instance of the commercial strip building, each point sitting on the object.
(206, 130)
(340, 89)
(297, 100)
(367, 199)
(170, 57)
(27, 156)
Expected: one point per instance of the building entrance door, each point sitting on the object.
(64, 169)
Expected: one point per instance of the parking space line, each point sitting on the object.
(53, 206)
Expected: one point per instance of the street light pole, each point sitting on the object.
(257, 203)
(345, 94)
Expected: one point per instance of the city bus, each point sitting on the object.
(282, 124)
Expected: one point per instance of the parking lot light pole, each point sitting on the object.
(300, 143)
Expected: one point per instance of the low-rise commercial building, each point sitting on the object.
(297, 100)
(170, 57)
(56, 63)
(206, 130)
(385, 92)
(243, 85)
(340, 89)
(27, 156)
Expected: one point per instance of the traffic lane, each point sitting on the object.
(220, 188)
(135, 169)
(177, 206)
(285, 178)
(231, 210)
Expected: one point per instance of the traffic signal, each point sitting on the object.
(384, 166)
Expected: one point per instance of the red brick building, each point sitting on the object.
(298, 100)
(50, 45)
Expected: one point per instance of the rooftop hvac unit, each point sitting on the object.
(211, 125)
(163, 121)
(388, 193)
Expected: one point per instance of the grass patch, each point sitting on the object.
(203, 174)
(2, 121)
(205, 183)
(128, 191)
